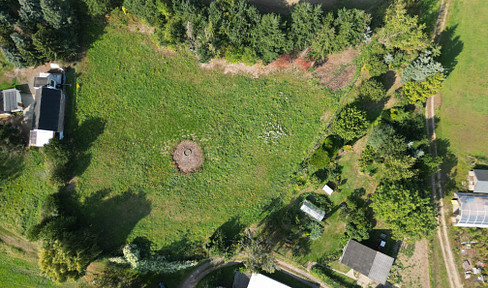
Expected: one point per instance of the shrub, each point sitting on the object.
(422, 68)
(420, 91)
(239, 54)
(371, 59)
(366, 161)
(371, 90)
(316, 230)
(351, 123)
(320, 158)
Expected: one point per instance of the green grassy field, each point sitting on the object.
(135, 104)
(19, 270)
(22, 195)
(464, 110)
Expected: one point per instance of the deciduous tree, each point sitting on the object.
(404, 211)
(401, 30)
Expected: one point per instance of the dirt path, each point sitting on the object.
(292, 269)
(198, 274)
(442, 233)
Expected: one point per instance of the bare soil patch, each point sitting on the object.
(338, 71)
(415, 268)
(188, 156)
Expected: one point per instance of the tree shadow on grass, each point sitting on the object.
(85, 135)
(452, 46)
(113, 218)
(449, 163)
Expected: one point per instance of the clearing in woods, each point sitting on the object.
(134, 105)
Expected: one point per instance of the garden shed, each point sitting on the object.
(312, 210)
(369, 262)
(261, 281)
(327, 189)
(10, 102)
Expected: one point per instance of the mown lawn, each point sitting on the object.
(134, 104)
(464, 110)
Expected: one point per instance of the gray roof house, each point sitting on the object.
(478, 181)
(312, 210)
(470, 210)
(369, 262)
(10, 102)
(48, 116)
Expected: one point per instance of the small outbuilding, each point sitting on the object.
(312, 210)
(369, 262)
(478, 181)
(327, 189)
(261, 281)
(10, 102)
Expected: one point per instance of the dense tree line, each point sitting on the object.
(234, 27)
(35, 31)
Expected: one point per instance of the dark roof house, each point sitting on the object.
(478, 181)
(369, 262)
(48, 116)
(470, 210)
(10, 101)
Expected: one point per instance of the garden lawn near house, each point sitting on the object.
(135, 105)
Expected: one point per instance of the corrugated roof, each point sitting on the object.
(473, 210)
(312, 210)
(10, 100)
(482, 184)
(369, 262)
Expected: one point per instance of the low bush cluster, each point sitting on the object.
(329, 148)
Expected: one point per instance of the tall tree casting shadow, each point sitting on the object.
(452, 46)
(113, 218)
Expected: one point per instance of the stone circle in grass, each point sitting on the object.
(188, 156)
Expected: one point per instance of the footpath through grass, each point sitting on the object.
(135, 104)
(464, 110)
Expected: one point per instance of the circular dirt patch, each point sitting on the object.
(188, 156)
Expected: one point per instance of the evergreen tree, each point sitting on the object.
(57, 13)
(305, 23)
(30, 14)
(268, 38)
(324, 43)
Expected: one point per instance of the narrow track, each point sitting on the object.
(436, 187)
